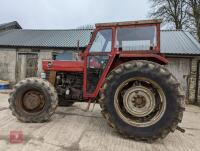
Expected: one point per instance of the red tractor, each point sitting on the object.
(121, 69)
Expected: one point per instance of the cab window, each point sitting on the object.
(103, 41)
(136, 38)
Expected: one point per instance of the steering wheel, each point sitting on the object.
(95, 62)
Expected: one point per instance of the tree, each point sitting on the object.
(194, 15)
(173, 12)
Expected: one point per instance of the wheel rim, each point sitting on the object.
(140, 102)
(33, 101)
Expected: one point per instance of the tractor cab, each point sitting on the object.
(110, 45)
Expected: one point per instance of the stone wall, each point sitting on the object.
(186, 74)
(198, 97)
(43, 55)
(8, 64)
(192, 80)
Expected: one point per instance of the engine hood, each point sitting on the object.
(56, 65)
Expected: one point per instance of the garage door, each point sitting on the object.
(180, 68)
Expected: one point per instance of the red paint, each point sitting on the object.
(16, 137)
(160, 58)
(112, 55)
(73, 66)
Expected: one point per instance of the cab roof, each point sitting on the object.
(128, 23)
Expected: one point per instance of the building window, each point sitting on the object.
(66, 56)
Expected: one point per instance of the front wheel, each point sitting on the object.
(142, 100)
(33, 100)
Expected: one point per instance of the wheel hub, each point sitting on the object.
(33, 101)
(139, 101)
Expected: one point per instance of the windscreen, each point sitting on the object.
(102, 42)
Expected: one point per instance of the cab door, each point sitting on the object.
(97, 61)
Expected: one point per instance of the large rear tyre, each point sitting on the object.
(142, 100)
(33, 100)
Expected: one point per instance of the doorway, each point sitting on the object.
(27, 65)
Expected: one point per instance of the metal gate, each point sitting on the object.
(27, 65)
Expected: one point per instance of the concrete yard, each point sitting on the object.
(72, 129)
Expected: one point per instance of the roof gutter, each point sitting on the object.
(43, 47)
(176, 55)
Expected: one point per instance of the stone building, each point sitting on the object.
(22, 52)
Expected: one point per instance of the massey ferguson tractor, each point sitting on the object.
(123, 70)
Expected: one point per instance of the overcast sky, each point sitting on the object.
(63, 14)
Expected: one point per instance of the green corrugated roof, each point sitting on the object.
(45, 38)
(179, 42)
(172, 41)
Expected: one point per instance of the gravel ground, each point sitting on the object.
(72, 129)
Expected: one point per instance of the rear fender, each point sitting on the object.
(152, 57)
(122, 58)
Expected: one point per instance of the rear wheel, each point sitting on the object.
(142, 100)
(33, 100)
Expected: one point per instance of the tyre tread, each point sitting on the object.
(53, 97)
